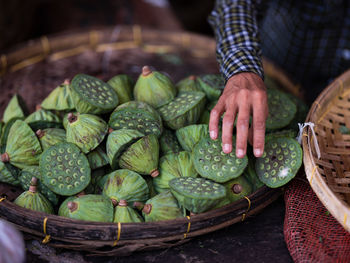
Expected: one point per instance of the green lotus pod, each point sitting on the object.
(22, 147)
(43, 119)
(33, 200)
(97, 208)
(92, 95)
(152, 191)
(125, 185)
(212, 163)
(5, 133)
(86, 131)
(169, 143)
(9, 174)
(65, 170)
(281, 110)
(51, 136)
(125, 214)
(280, 161)
(97, 158)
(162, 207)
(300, 115)
(281, 134)
(65, 119)
(212, 85)
(190, 135)
(184, 110)
(118, 141)
(63, 210)
(16, 108)
(33, 171)
(137, 115)
(205, 117)
(142, 156)
(94, 187)
(123, 86)
(197, 194)
(173, 166)
(154, 88)
(251, 176)
(60, 98)
(188, 84)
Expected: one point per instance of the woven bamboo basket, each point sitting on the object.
(35, 68)
(329, 175)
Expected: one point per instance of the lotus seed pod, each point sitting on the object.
(33, 200)
(184, 110)
(281, 110)
(97, 208)
(92, 95)
(149, 181)
(86, 131)
(118, 141)
(16, 108)
(212, 85)
(137, 115)
(5, 133)
(169, 143)
(97, 158)
(162, 207)
(205, 117)
(251, 176)
(95, 187)
(197, 194)
(59, 99)
(300, 115)
(51, 136)
(22, 147)
(125, 185)
(154, 88)
(212, 163)
(65, 170)
(65, 119)
(172, 166)
(125, 214)
(43, 119)
(281, 134)
(8, 174)
(142, 156)
(123, 86)
(280, 161)
(188, 84)
(190, 135)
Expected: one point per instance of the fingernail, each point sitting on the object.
(227, 148)
(240, 153)
(257, 152)
(213, 134)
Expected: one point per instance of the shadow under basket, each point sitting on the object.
(35, 68)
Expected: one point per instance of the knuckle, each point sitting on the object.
(259, 125)
(243, 122)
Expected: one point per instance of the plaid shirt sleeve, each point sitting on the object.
(236, 30)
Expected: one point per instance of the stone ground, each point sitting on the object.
(258, 239)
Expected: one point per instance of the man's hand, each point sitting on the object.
(244, 93)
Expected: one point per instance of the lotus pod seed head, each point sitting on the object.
(66, 82)
(147, 209)
(138, 205)
(71, 117)
(146, 71)
(114, 202)
(154, 173)
(33, 185)
(5, 158)
(123, 203)
(237, 188)
(72, 206)
(40, 133)
(192, 77)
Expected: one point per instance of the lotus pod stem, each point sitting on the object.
(237, 188)
(114, 202)
(5, 158)
(72, 206)
(40, 133)
(155, 173)
(123, 202)
(33, 185)
(147, 209)
(146, 70)
(71, 117)
(138, 205)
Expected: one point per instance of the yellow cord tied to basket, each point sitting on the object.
(2, 199)
(47, 237)
(118, 235)
(249, 205)
(188, 226)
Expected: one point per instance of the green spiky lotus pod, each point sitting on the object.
(169, 143)
(162, 207)
(154, 88)
(142, 156)
(212, 85)
(92, 95)
(43, 119)
(172, 166)
(60, 98)
(118, 141)
(8, 174)
(16, 108)
(184, 110)
(51, 136)
(23, 147)
(197, 194)
(65, 170)
(5, 132)
(125, 185)
(188, 84)
(97, 158)
(34, 200)
(280, 161)
(86, 131)
(96, 208)
(212, 163)
(33, 171)
(281, 109)
(125, 214)
(123, 86)
(190, 135)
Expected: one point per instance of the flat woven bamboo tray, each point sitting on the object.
(329, 176)
(35, 68)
